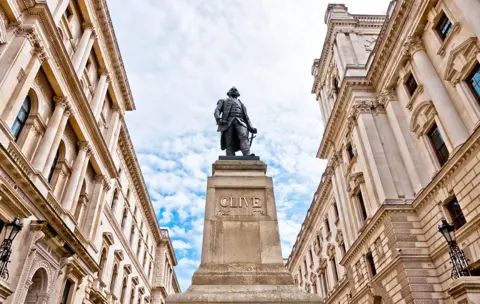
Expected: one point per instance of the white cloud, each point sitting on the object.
(181, 57)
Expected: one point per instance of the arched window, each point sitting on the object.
(54, 164)
(21, 117)
(103, 260)
(114, 278)
(124, 217)
(114, 200)
(124, 289)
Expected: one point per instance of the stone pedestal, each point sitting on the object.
(465, 290)
(241, 253)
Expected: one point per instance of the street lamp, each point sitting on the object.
(457, 256)
(11, 231)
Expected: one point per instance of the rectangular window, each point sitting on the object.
(343, 249)
(438, 144)
(66, 292)
(68, 13)
(327, 226)
(361, 205)
(456, 213)
(411, 85)
(473, 81)
(444, 26)
(335, 208)
(350, 151)
(334, 269)
(311, 256)
(305, 265)
(358, 266)
(371, 264)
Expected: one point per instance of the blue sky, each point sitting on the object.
(181, 56)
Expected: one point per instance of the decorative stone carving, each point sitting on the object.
(331, 251)
(413, 45)
(460, 60)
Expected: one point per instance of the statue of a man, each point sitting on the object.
(234, 124)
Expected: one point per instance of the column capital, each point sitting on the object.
(413, 44)
(61, 101)
(388, 94)
(104, 72)
(363, 106)
(100, 178)
(84, 146)
(87, 26)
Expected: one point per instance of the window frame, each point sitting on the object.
(474, 71)
(408, 84)
(436, 150)
(19, 121)
(457, 220)
(439, 27)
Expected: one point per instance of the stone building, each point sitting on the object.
(68, 169)
(400, 100)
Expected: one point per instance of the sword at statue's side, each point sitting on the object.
(253, 135)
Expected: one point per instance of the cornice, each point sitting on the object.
(128, 152)
(319, 200)
(126, 246)
(114, 54)
(338, 114)
(49, 209)
(80, 105)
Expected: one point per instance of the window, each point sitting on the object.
(324, 283)
(52, 169)
(411, 85)
(124, 287)
(144, 258)
(350, 151)
(21, 117)
(335, 209)
(132, 234)
(114, 278)
(68, 13)
(438, 145)
(327, 226)
(333, 262)
(361, 204)
(114, 200)
(444, 26)
(456, 213)
(103, 260)
(473, 81)
(132, 295)
(319, 240)
(310, 252)
(371, 264)
(305, 265)
(335, 85)
(343, 249)
(124, 217)
(66, 292)
(139, 246)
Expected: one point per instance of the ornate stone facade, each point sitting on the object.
(400, 100)
(67, 166)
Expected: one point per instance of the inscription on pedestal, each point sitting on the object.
(242, 204)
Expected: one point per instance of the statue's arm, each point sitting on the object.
(218, 110)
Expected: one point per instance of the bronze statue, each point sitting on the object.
(234, 124)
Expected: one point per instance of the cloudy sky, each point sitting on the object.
(181, 56)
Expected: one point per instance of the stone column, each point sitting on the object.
(92, 218)
(70, 191)
(114, 129)
(447, 113)
(470, 9)
(341, 197)
(377, 171)
(405, 142)
(56, 141)
(82, 45)
(100, 93)
(11, 88)
(83, 170)
(44, 149)
(88, 50)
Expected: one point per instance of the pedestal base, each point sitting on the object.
(219, 294)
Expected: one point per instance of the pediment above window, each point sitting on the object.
(460, 60)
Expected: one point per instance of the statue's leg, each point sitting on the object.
(242, 134)
(229, 140)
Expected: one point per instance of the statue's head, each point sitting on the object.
(233, 92)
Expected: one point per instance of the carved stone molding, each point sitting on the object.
(412, 45)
